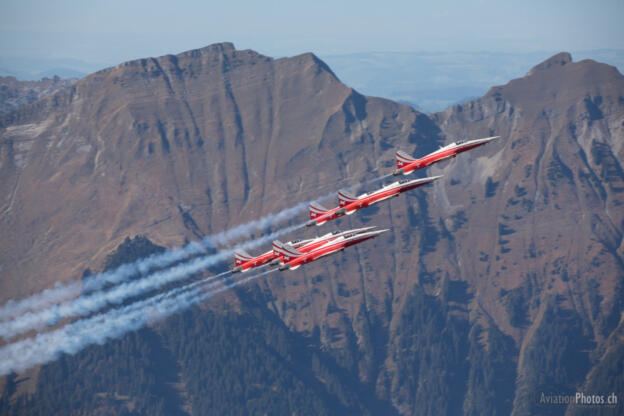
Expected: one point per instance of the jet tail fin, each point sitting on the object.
(403, 159)
(285, 250)
(316, 210)
(241, 256)
(277, 248)
(345, 197)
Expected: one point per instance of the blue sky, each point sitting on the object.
(113, 31)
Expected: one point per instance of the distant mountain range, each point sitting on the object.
(15, 94)
(502, 281)
(33, 69)
(434, 81)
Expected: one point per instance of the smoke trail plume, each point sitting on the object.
(73, 337)
(63, 291)
(244, 230)
(87, 304)
(58, 293)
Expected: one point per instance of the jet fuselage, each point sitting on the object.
(406, 164)
(389, 191)
(293, 259)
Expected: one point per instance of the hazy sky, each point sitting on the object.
(113, 31)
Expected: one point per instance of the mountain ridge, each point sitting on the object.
(522, 240)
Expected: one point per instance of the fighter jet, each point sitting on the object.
(350, 203)
(353, 203)
(315, 243)
(407, 164)
(244, 262)
(293, 258)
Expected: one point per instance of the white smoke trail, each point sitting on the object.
(10, 351)
(244, 230)
(71, 338)
(58, 293)
(87, 304)
(63, 291)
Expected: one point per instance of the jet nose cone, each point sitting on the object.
(379, 232)
(490, 139)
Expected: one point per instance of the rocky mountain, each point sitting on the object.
(549, 270)
(15, 94)
(501, 281)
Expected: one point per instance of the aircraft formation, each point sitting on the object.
(68, 317)
(293, 254)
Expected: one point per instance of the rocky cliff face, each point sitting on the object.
(504, 277)
(552, 249)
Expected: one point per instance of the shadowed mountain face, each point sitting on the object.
(502, 279)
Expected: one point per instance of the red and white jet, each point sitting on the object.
(353, 203)
(244, 262)
(293, 258)
(314, 243)
(407, 164)
(350, 203)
